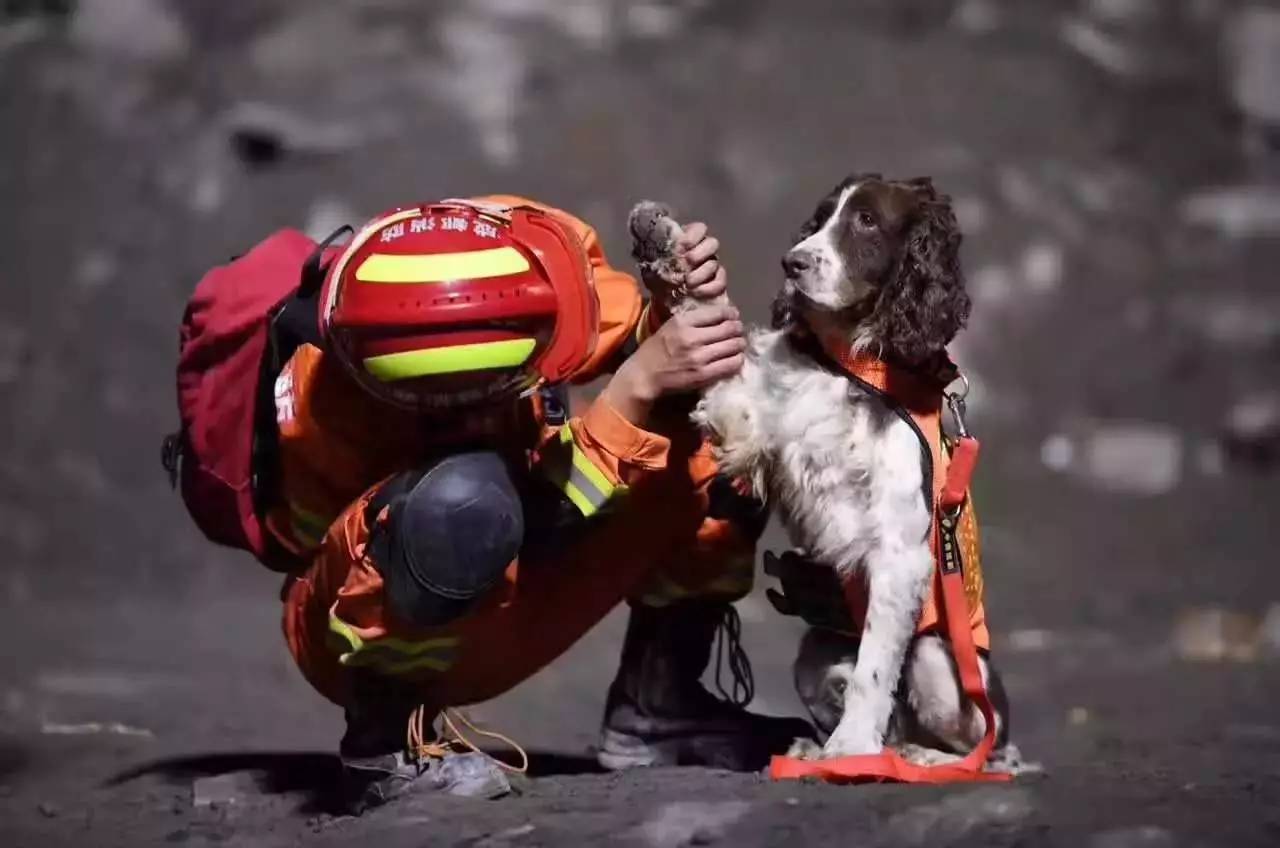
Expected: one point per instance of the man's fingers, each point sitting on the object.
(701, 274)
(693, 233)
(717, 332)
(722, 369)
(710, 314)
(702, 251)
(717, 285)
(716, 351)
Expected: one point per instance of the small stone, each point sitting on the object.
(1029, 640)
(1042, 264)
(262, 133)
(1252, 430)
(223, 789)
(971, 214)
(1133, 458)
(1057, 452)
(1077, 716)
(95, 270)
(208, 194)
(1125, 12)
(683, 822)
(1210, 459)
(1102, 48)
(1269, 633)
(1148, 836)
(1212, 634)
(1252, 47)
(1241, 211)
(1233, 320)
(652, 20)
(144, 30)
(991, 285)
(48, 809)
(976, 17)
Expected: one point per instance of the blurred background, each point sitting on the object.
(1115, 165)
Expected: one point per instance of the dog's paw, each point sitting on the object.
(851, 745)
(1009, 760)
(804, 749)
(923, 756)
(701, 418)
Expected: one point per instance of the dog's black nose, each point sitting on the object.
(796, 262)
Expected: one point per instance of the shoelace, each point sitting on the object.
(729, 651)
(452, 740)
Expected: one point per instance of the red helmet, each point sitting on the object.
(459, 302)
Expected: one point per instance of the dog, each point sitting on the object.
(877, 268)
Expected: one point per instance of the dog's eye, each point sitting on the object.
(865, 220)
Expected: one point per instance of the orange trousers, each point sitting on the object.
(657, 546)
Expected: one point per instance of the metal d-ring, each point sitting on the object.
(955, 402)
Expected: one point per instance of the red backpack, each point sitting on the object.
(231, 347)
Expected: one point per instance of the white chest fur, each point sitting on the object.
(839, 466)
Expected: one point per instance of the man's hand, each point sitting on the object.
(688, 352)
(706, 277)
(698, 270)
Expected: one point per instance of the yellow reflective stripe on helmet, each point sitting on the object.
(391, 654)
(455, 359)
(441, 267)
(582, 482)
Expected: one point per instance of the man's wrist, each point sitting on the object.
(631, 393)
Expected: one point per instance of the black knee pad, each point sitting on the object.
(449, 536)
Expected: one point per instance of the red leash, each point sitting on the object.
(888, 765)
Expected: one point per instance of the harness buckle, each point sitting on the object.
(956, 403)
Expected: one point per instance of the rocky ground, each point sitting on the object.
(1115, 168)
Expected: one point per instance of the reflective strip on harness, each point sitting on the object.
(574, 474)
(391, 655)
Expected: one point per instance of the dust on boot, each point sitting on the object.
(659, 714)
(390, 747)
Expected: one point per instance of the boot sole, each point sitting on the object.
(622, 751)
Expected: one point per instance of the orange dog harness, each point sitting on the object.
(958, 611)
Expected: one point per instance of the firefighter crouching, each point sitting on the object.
(448, 529)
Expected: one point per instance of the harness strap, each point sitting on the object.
(888, 765)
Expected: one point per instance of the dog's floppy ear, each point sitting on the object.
(927, 303)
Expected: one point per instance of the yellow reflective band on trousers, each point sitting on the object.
(455, 359)
(733, 583)
(308, 527)
(391, 655)
(441, 267)
(572, 472)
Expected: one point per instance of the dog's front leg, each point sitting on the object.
(897, 577)
(728, 413)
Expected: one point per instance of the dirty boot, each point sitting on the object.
(382, 758)
(658, 712)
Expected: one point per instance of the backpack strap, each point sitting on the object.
(294, 323)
